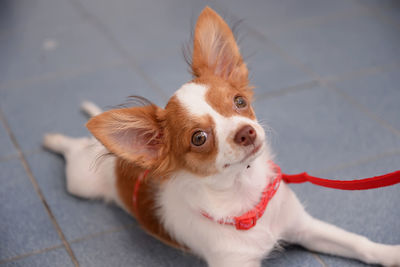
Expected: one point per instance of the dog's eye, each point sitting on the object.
(199, 138)
(240, 102)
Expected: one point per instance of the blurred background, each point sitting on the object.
(327, 77)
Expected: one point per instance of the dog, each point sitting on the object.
(198, 174)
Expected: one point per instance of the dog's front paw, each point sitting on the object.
(393, 256)
(387, 255)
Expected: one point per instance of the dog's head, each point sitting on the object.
(208, 125)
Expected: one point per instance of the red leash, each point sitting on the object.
(362, 184)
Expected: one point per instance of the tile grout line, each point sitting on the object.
(26, 255)
(306, 22)
(37, 189)
(263, 38)
(76, 240)
(102, 28)
(362, 72)
(16, 155)
(318, 258)
(101, 233)
(363, 109)
(325, 80)
(286, 90)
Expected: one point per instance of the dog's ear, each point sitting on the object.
(215, 50)
(134, 134)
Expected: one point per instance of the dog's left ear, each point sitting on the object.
(134, 134)
(215, 50)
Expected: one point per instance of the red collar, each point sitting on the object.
(249, 219)
(245, 221)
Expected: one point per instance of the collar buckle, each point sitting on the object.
(246, 222)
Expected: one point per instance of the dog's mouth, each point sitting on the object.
(253, 153)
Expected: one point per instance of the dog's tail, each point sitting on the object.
(90, 108)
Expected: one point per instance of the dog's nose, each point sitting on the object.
(245, 136)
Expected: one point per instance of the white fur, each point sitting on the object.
(229, 193)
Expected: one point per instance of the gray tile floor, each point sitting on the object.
(328, 87)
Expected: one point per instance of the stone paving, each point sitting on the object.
(327, 77)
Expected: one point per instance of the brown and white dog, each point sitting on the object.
(201, 161)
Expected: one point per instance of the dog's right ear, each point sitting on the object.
(215, 50)
(134, 134)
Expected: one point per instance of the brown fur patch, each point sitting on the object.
(181, 126)
(127, 174)
(220, 96)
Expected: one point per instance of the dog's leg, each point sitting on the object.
(319, 236)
